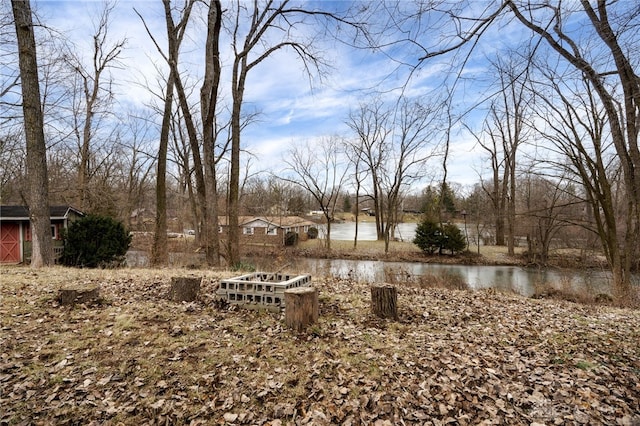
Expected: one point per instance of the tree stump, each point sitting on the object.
(301, 307)
(71, 296)
(384, 301)
(184, 289)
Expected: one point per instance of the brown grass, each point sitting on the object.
(565, 291)
(443, 279)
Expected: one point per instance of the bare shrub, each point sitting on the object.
(441, 279)
(565, 291)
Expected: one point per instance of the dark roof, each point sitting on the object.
(22, 212)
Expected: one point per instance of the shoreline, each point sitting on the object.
(399, 251)
(407, 252)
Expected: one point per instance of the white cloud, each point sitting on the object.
(293, 106)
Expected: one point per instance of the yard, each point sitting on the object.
(453, 357)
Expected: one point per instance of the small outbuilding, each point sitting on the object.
(15, 231)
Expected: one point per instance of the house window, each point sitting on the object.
(247, 230)
(306, 228)
(272, 230)
(54, 232)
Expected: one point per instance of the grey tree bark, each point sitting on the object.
(175, 34)
(38, 184)
(208, 104)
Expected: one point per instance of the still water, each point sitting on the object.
(510, 278)
(367, 231)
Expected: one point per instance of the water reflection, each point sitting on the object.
(508, 278)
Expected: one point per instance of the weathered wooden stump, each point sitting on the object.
(184, 289)
(301, 307)
(384, 301)
(73, 295)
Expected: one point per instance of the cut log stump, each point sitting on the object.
(301, 307)
(71, 296)
(384, 301)
(184, 289)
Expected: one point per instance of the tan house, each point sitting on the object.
(268, 230)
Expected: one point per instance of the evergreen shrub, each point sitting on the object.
(312, 233)
(432, 237)
(95, 241)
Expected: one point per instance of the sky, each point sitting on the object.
(292, 107)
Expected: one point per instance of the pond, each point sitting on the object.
(508, 278)
(367, 231)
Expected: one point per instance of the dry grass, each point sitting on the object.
(564, 290)
(364, 247)
(442, 279)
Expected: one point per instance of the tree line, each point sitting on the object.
(556, 120)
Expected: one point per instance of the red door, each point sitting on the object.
(9, 243)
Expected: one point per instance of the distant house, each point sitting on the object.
(368, 211)
(267, 230)
(15, 231)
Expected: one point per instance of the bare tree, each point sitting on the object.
(97, 94)
(360, 174)
(413, 144)
(547, 209)
(607, 64)
(273, 26)
(478, 210)
(577, 128)
(506, 130)
(180, 155)
(9, 75)
(496, 189)
(175, 34)
(135, 165)
(319, 168)
(36, 156)
(371, 122)
(394, 145)
(203, 168)
(602, 52)
(208, 110)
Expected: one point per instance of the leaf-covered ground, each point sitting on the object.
(454, 357)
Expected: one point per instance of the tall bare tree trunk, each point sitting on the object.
(511, 207)
(357, 205)
(38, 196)
(159, 251)
(208, 103)
(233, 209)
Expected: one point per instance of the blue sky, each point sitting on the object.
(292, 107)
